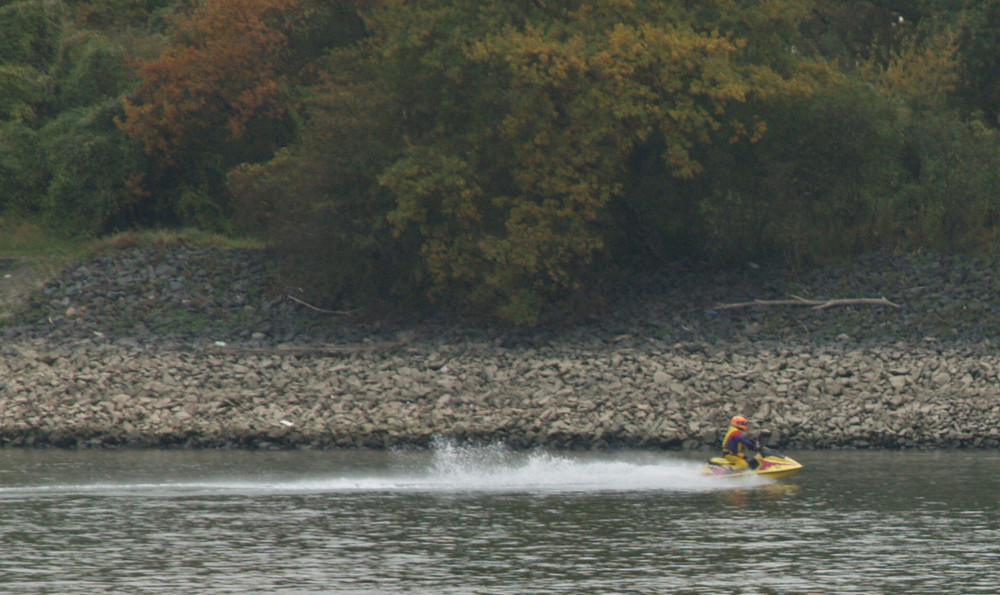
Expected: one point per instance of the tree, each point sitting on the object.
(28, 33)
(94, 170)
(198, 103)
(21, 89)
(512, 204)
(519, 119)
(63, 159)
(979, 54)
(319, 202)
(222, 93)
(221, 72)
(89, 69)
(22, 180)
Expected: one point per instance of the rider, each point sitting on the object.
(733, 443)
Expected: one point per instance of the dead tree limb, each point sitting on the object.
(814, 304)
(306, 350)
(312, 307)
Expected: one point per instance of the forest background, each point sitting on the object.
(510, 159)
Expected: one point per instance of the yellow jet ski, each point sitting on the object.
(768, 463)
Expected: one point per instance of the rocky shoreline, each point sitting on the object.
(192, 347)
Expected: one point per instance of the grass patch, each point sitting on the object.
(21, 239)
(24, 239)
(170, 238)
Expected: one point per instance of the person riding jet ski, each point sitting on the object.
(735, 441)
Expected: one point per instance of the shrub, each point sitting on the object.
(89, 69)
(951, 204)
(23, 174)
(93, 165)
(21, 89)
(29, 33)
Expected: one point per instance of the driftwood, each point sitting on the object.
(312, 307)
(304, 350)
(814, 304)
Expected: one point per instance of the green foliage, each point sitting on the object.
(521, 123)
(504, 157)
(116, 15)
(442, 209)
(856, 31)
(319, 201)
(317, 27)
(49, 251)
(224, 92)
(814, 180)
(93, 166)
(951, 204)
(923, 74)
(807, 188)
(22, 179)
(21, 89)
(63, 159)
(979, 54)
(28, 33)
(89, 69)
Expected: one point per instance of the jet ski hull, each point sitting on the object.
(769, 463)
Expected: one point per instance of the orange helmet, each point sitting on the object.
(740, 422)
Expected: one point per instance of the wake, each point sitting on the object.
(445, 468)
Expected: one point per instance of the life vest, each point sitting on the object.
(733, 430)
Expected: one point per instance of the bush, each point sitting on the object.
(93, 168)
(952, 203)
(23, 175)
(21, 89)
(89, 69)
(811, 187)
(808, 188)
(319, 201)
(29, 33)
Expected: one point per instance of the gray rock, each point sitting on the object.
(190, 347)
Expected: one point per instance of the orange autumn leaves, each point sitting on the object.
(223, 69)
(515, 126)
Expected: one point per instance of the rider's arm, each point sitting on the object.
(752, 444)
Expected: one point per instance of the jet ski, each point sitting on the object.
(768, 463)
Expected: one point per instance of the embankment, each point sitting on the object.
(205, 348)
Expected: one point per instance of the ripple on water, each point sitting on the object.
(493, 522)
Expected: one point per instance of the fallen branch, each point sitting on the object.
(323, 350)
(814, 304)
(312, 307)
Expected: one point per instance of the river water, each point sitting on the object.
(487, 520)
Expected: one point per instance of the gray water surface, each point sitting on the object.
(487, 520)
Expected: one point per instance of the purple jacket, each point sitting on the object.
(734, 439)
